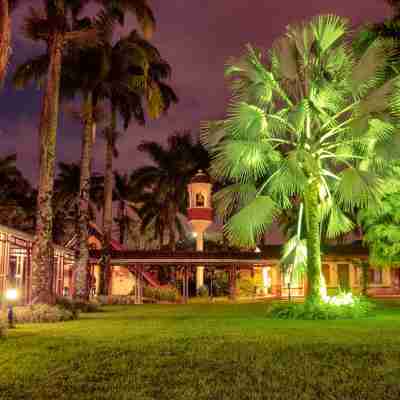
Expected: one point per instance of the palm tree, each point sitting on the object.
(162, 188)
(139, 8)
(123, 194)
(67, 200)
(56, 25)
(15, 193)
(388, 29)
(6, 8)
(82, 70)
(315, 126)
(136, 71)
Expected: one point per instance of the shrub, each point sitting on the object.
(161, 294)
(220, 285)
(3, 327)
(359, 307)
(42, 313)
(246, 286)
(115, 300)
(77, 306)
(202, 291)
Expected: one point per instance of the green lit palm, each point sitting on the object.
(312, 125)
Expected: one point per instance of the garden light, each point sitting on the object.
(11, 296)
(345, 299)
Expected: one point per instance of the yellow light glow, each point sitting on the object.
(11, 294)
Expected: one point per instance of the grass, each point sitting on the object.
(203, 351)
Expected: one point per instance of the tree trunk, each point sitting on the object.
(171, 228)
(107, 211)
(365, 277)
(81, 276)
(121, 212)
(314, 270)
(41, 250)
(5, 37)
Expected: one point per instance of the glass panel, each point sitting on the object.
(344, 277)
(375, 276)
(200, 200)
(294, 278)
(326, 271)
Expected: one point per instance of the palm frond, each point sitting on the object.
(247, 226)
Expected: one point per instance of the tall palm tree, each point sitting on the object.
(162, 187)
(123, 194)
(6, 8)
(67, 200)
(138, 8)
(136, 72)
(314, 125)
(57, 25)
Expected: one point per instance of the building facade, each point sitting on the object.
(262, 277)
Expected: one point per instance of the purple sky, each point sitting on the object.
(196, 37)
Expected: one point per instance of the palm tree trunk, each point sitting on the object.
(41, 251)
(121, 218)
(314, 270)
(171, 228)
(5, 37)
(107, 211)
(81, 284)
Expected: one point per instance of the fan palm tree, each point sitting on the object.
(162, 188)
(6, 8)
(57, 25)
(314, 125)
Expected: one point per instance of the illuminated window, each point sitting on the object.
(375, 276)
(294, 278)
(326, 271)
(200, 200)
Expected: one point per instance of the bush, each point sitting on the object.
(42, 313)
(220, 285)
(246, 286)
(77, 306)
(3, 327)
(120, 300)
(359, 307)
(161, 294)
(202, 291)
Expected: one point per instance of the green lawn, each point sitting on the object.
(201, 351)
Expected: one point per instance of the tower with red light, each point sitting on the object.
(200, 214)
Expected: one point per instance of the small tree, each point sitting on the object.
(314, 124)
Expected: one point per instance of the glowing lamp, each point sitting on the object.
(11, 294)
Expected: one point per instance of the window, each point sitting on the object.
(200, 200)
(293, 278)
(375, 276)
(326, 272)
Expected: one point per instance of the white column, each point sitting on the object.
(265, 279)
(199, 269)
